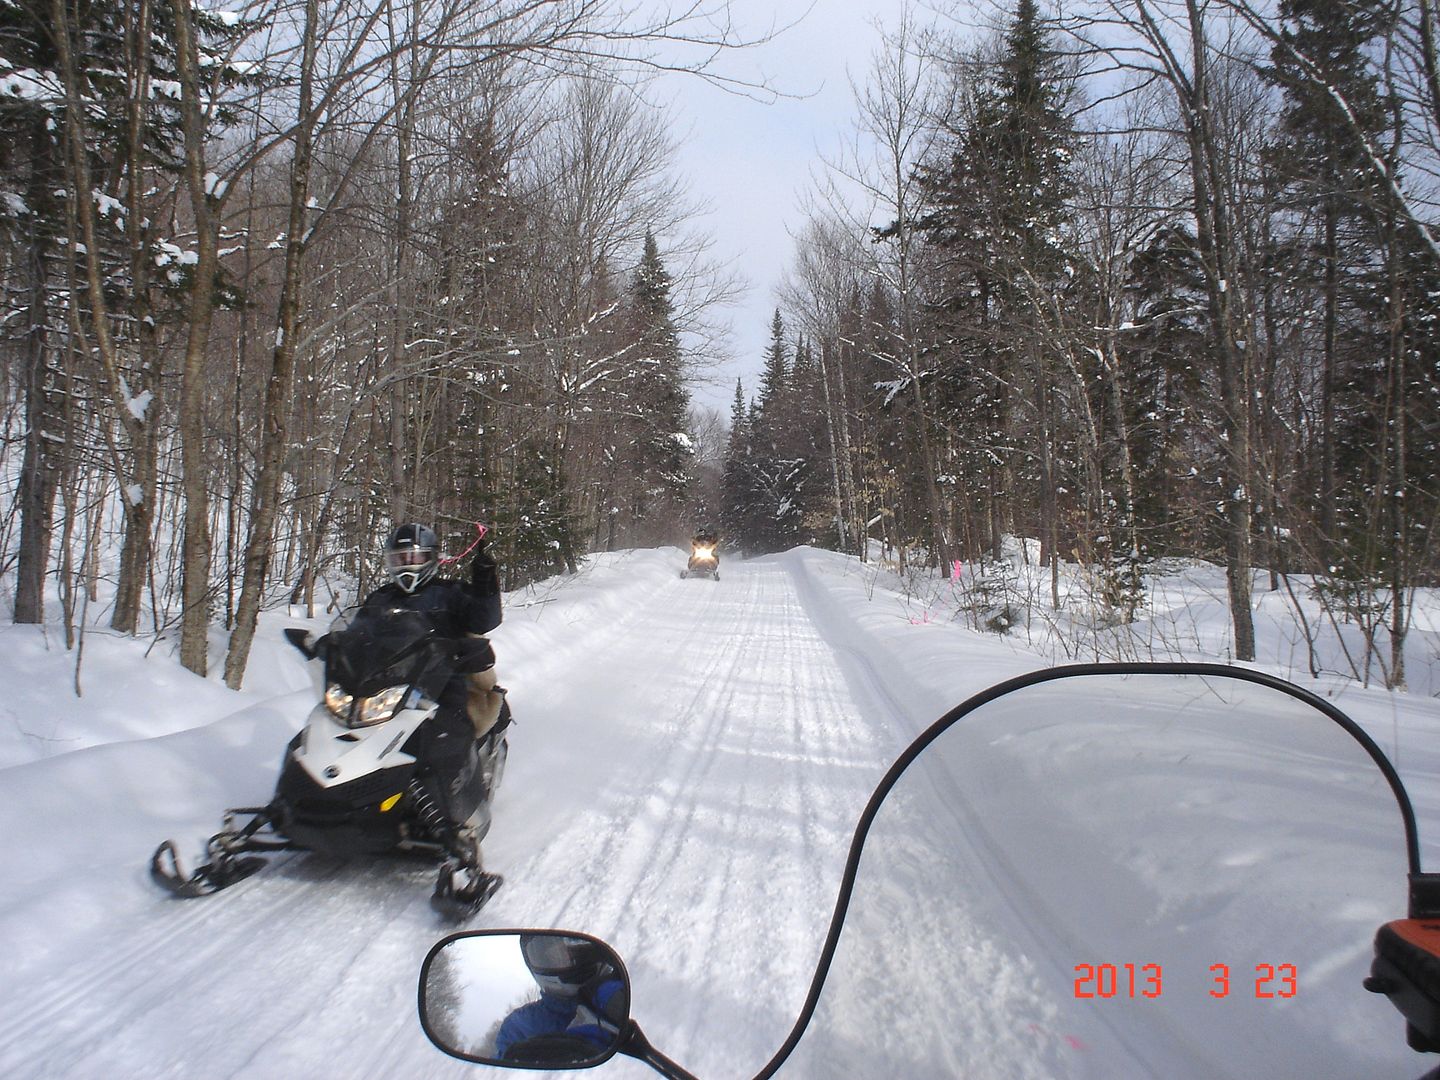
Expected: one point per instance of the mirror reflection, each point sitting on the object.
(546, 998)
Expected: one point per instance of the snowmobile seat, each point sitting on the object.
(1406, 969)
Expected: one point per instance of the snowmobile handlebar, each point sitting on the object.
(471, 654)
(303, 640)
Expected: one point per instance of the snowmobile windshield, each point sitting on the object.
(1099, 875)
(383, 647)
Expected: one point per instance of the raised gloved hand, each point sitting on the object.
(484, 573)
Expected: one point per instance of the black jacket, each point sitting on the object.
(458, 607)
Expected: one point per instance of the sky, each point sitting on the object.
(753, 161)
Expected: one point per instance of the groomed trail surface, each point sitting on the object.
(688, 762)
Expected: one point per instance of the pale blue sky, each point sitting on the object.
(752, 162)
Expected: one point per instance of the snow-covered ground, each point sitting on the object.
(688, 762)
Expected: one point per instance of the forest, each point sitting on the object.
(1139, 280)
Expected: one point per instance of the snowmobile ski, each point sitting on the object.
(227, 858)
(460, 891)
(210, 878)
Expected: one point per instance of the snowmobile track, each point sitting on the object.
(145, 987)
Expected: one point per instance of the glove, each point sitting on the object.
(474, 654)
(613, 999)
(484, 573)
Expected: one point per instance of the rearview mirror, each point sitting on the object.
(546, 998)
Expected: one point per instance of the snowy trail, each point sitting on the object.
(711, 858)
(688, 762)
(682, 780)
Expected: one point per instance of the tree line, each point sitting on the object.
(277, 277)
(1137, 279)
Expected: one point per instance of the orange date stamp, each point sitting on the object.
(1265, 981)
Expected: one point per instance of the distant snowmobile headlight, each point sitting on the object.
(705, 554)
(378, 709)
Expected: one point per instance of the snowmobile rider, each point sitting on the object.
(461, 750)
(472, 706)
(581, 1007)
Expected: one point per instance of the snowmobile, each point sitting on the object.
(355, 779)
(906, 986)
(704, 561)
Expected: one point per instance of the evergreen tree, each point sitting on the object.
(661, 449)
(772, 378)
(739, 421)
(768, 487)
(1332, 188)
(1176, 472)
(737, 496)
(998, 208)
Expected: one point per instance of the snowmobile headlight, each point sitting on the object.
(338, 702)
(378, 708)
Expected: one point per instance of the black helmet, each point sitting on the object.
(412, 556)
(562, 965)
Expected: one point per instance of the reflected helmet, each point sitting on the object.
(412, 556)
(562, 965)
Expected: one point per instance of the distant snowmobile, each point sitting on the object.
(355, 780)
(704, 559)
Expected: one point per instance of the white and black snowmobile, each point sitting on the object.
(360, 778)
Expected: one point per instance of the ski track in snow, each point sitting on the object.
(715, 855)
(686, 769)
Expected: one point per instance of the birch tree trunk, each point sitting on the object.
(1213, 234)
(204, 205)
(275, 421)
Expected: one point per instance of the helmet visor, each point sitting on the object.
(560, 960)
(408, 557)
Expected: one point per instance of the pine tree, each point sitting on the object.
(736, 486)
(772, 379)
(768, 487)
(814, 502)
(1330, 182)
(1176, 474)
(661, 449)
(739, 421)
(999, 207)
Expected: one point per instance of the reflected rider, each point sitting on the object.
(581, 1007)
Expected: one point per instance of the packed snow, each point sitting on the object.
(688, 763)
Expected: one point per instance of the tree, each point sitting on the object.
(736, 483)
(1180, 55)
(661, 449)
(31, 164)
(1334, 190)
(998, 208)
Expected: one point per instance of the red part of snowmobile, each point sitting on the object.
(1406, 968)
